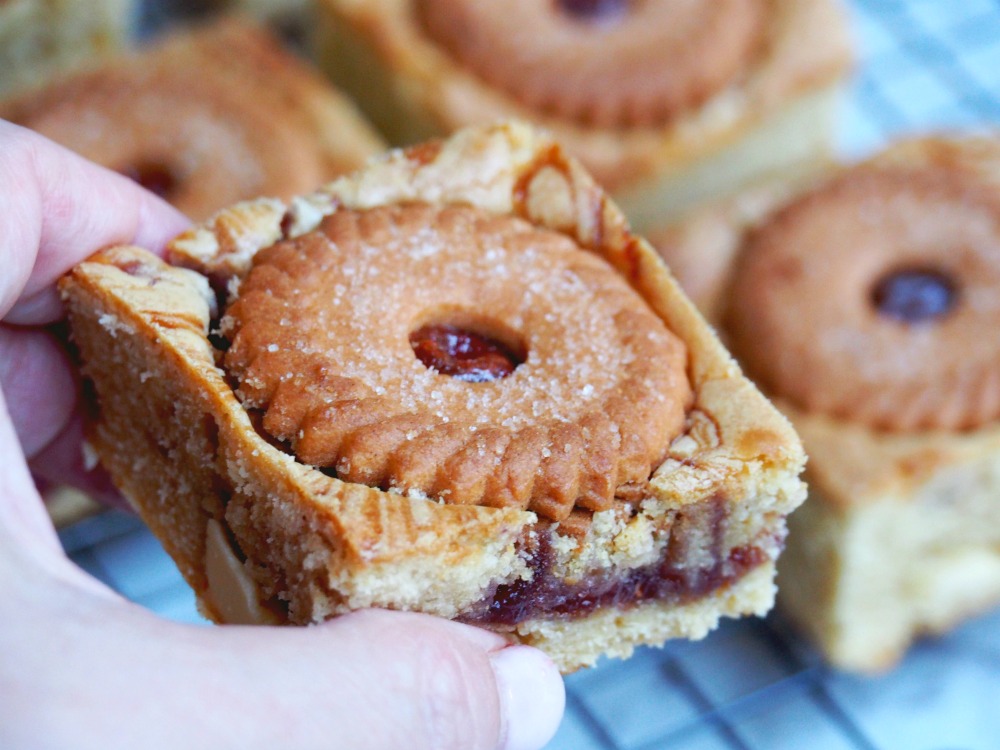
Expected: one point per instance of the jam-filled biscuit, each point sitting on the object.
(667, 102)
(602, 380)
(205, 118)
(866, 306)
(454, 382)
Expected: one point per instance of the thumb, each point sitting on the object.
(24, 525)
(447, 685)
(120, 677)
(366, 681)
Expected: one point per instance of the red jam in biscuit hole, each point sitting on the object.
(463, 354)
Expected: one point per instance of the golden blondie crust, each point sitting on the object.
(899, 536)
(263, 537)
(771, 112)
(205, 118)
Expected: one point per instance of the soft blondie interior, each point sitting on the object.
(264, 537)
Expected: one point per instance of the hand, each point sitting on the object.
(81, 667)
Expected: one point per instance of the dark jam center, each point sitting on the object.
(153, 176)
(667, 581)
(601, 11)
(463, 354)
(915, 295)
(692, 565)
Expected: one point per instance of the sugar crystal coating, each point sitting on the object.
(321, 343)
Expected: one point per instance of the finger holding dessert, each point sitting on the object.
(202, 118)
(38, 248)
(864, 303)
(92, 670)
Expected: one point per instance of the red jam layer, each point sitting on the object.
(668, 580)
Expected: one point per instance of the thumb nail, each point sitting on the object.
(532, 697)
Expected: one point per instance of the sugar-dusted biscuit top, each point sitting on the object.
(205, 118)
(263, 534)
(594, 393)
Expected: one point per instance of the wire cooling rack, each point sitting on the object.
(926, 64)
(753, 685)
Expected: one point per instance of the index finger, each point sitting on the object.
(58, 209)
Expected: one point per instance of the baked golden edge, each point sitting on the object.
(781, 110)
(435, 556)
(894, 540)
(241, 55)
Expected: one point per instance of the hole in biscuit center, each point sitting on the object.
(468, 348)
(595, 11)
(155, 176)
(915, 295)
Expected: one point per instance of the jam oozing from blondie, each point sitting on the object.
(157, 178)
(463, 354)
(915, 295)
(682, 574)
(601, 11)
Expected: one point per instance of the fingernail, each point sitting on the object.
(532, 697)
